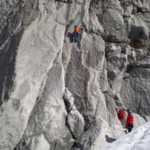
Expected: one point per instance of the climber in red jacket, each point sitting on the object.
(121, 116)
(129, 121)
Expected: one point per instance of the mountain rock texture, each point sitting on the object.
(56, 94)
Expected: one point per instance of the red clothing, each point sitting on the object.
(77, 29)
(130, 119)
(121, 114)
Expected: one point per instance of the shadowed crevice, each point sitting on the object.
(7, 67)
(109, 139)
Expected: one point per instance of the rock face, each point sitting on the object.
(62, 95)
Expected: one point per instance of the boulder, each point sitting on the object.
(75, 123)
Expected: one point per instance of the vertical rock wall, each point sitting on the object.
(61, 95)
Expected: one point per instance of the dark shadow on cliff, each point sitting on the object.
(77, 145)
(137, 32)
(109, 139)
(70, 36)
(64, 1)
(7, 66)
(10, 38)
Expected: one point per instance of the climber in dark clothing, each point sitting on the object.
(76, 33)
(129, 121)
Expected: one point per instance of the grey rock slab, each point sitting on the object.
(143, 4)
(36, 43)
(92, 47)
(116, 57)
(104, 79)
(128, 9)
(147, 118)
(113, 22)
(75, 123)
(113, 4)
(90, 19)
(138, 120)
(135, 91)
(144, 63)
(145, 17)
(138, 28)
(69, 100)
(40, 143)
(49, 114)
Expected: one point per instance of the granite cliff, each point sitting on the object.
(60, 95)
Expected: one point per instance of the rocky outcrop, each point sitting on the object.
(62, 95)
(75, 121)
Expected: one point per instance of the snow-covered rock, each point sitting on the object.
(138, 139)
